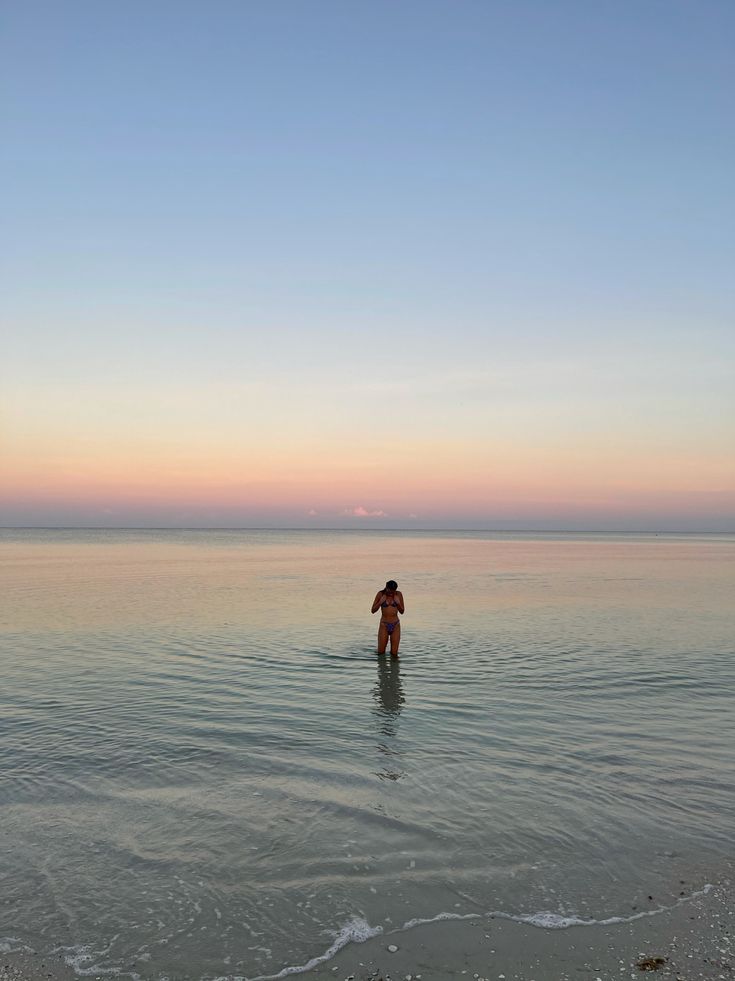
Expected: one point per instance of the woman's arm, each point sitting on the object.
(377, 601)
(399, 602)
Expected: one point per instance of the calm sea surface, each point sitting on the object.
(205, 770)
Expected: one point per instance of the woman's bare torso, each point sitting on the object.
(389, 608)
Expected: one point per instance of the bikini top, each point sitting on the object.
(384, 604)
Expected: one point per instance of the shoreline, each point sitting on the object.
(693, 939)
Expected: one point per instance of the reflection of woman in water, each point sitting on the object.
(390, 602)
(389, 700)
(388, 695)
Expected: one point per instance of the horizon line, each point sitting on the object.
(549, 531)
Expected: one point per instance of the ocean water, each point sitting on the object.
(207, 772)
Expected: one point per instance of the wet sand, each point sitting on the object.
(694, 940)
(30, 966)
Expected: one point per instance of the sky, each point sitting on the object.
(368, 264)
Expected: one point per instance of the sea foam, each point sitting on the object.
(355, 931)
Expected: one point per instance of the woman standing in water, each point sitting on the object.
(390, 602)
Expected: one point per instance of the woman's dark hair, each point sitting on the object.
(391, 584)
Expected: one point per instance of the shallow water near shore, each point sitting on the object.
(207, 771)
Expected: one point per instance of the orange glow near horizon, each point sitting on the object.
(430, 480)
(134, 452)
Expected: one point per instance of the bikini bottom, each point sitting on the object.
(390, 626)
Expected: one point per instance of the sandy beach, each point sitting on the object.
(691, 941)
(694, 939)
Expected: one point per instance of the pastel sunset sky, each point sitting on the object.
(368, 264)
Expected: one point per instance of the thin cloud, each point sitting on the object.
(361, 512)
